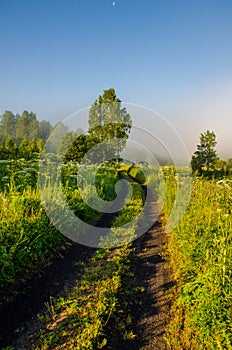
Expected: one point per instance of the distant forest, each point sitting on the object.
(22, 135)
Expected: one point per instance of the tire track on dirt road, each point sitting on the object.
(150, 306)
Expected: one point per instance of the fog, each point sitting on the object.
(208, 108)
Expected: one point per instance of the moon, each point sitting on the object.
(114, 3)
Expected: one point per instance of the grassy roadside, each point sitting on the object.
(200, 252)
(78, 321)
(27, 237)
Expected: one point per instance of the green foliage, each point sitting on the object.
(18, 174)
(58, 132)
(137, 173)
(10, 148)
(106, 178)
(109, 126)
(205, 157)
(169, 173)
(7, 126)
(44, 130)
(105, 183)
(80, 145)
(26, 127)
(200, 250)
(22, 127)
(108, 120)
(26, 236)
(66, 143)
(28, 150)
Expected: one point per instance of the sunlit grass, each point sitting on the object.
(200, 250)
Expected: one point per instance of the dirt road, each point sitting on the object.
(150, 305)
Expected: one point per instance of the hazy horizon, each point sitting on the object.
(171, 57)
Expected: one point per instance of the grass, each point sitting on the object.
(79, 320)
(200, 250)
(27, 236)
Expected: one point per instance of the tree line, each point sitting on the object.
(22, 136)
(23, 127)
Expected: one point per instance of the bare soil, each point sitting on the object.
(152, 314)
(150, 305)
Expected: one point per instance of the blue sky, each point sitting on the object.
(173, 56)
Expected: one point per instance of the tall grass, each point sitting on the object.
(200, 250)
(27, 237)
(18, 173)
